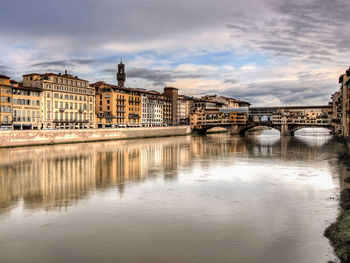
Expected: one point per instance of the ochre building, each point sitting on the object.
(5, 103)
(117, 106)
(26, 107)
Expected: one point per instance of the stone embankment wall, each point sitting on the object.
(16, 138)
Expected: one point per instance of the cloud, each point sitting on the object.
(4, 70)
(65, 63)
(265, 51)
(312, 30)
(160, 77)
(231, 81)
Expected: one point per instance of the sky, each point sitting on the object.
(268, 52)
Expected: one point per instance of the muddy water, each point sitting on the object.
(214, 198)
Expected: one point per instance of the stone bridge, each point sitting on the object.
(287, 119)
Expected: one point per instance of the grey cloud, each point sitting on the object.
(4, 70)
(65, 63)
(315, 29)
(310, 31)
(85, 23)
(110, 70)
(231, 81)
(287, 92)
(159, 77)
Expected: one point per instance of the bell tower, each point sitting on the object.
(121, 76)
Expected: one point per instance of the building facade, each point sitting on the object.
(202, 118)
(5, 103)
(117, 106)
(152, 109)
(26, 107)
(67, 101)
(171, 95)
(344, 82)
(337, 112)
(183, 110)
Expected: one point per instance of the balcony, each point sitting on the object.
(80, 111)
(62, 109)
(70, 121)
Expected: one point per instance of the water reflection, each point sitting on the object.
(58, 176)
(214, 198)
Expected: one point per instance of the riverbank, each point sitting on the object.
(21, 138)
(339, 232)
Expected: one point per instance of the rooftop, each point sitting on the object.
(65, 75)
(4, 77)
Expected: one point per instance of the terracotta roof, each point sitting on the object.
(4, 77)
(68, 76)
(242, 101)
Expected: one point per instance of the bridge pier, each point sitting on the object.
(235, 130)
(285, 130)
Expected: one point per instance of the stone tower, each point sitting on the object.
(121, 76)
(172, 94)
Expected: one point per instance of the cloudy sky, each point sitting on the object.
(269, 52)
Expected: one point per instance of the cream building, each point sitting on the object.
(152, 109)
(67, 101)
(183, 110)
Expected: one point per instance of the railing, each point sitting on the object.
(70, 121)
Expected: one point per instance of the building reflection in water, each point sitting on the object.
(54, 177)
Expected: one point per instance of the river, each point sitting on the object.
(214, 198)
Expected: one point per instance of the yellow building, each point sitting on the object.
(5, 103)
(26, 107)
(117, 106)
(68, 102)
(201, 118)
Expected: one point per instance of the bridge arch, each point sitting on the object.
(300, 127)
(243, 130)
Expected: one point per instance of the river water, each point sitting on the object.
(214, 198)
